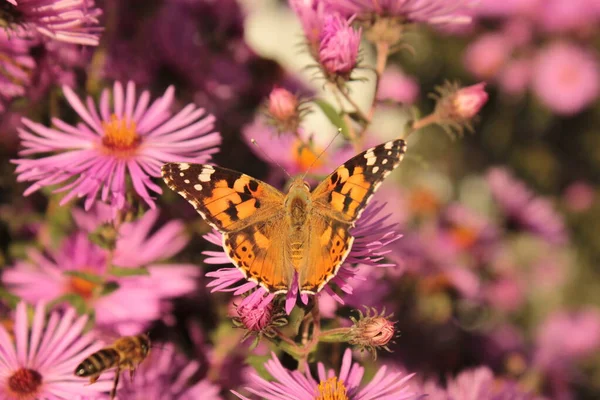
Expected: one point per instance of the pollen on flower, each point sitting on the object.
(120, 135)
(25, 383)
(331, 389)
(82, 287)
(463, 236)
(305, 156)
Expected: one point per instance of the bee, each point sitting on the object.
(127, 352)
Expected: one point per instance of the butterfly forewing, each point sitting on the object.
(228, 200)
(344, 194)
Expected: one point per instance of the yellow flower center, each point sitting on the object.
(24, 383)
(305, 157)
(331, 389)
(120, 136)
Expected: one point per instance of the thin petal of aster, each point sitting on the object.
(78, 106)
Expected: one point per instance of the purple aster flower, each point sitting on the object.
(338, 50)
(15, 67)
(72, 21)
(39, 362)
(565, 77)
(48, 277)
(371, 234)
(131, 139)
(165, 375)
(523, 208)
(433, 12)
(294, 385)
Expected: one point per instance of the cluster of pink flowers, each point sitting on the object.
(562, 73)
(457, 283)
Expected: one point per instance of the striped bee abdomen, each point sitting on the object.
(98, 362)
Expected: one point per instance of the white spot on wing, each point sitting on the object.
(375, 169)
(388, 145)
(183, 166)
(384, 161)
(186, 181)
(198, 187)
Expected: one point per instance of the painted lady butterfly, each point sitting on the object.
(272, 237)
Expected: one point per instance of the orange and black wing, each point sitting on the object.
(344, 194)
(227, 200)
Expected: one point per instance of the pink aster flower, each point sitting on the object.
(294, 385)
(73, 21)
(291, 151)
(15, 67)
(166, 375)
(39, 362)
(338, 51)
(371, 234)
(130, 139)
(312, 15)
(50, 277)
(565, 77)
(523, 208)
(433, 12)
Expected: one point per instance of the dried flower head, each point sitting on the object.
(372, 330)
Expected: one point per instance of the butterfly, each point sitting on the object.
(274, 238)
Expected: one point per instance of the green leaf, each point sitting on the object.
(75, 300)
(10, 298)
(93, 278)
(333, 116)
(109, 287)
(104, 236)
(257, 362)
(126, 271)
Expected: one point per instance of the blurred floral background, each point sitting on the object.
(475, 269)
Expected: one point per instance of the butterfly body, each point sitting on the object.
(275, 238)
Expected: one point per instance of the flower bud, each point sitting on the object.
(259, 319)
(456, 106)
(338, 51)
(255, 318)
(283, 105)
(468, 101)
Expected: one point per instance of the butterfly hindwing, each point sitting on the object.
(327, 249)
(228, 200)
(344, 194)
(261, 253)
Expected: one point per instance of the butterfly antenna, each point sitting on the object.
(254, 142)
(322, 152)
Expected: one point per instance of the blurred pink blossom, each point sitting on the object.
(566, 78)
(46, 277)
(395, 85)
(567, 337)
(515, 77)
(487, 55)
(579, 196)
